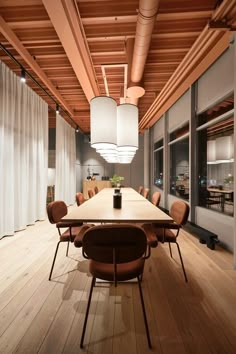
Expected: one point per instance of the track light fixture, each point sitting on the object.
(77, 129)
(24, 72)
(57, 109)
(22, 75)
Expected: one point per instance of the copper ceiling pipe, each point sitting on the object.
(145, 24)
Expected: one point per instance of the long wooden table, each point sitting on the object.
(135, 208)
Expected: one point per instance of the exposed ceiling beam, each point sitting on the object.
(66, 22)
(30, 24)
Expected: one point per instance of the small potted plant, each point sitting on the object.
(115, 180)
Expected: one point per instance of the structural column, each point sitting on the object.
(234, 44)
(146, 159)
(166, 165)
(193, 175)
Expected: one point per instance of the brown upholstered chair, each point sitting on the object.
(156, 197)
(56, 210)
(90, 193)
(179, 211)
(140, 189)
(79, 198)
(150, 232)
(149, 229)
(116, 253)
(96, 190)
(146, 193)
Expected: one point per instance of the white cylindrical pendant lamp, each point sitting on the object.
(125, 159)
(103, 122)
(127, 127)
(111, 159)
(106, 151)
(126, 153)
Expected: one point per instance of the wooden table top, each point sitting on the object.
(217, 190)
(135, 208)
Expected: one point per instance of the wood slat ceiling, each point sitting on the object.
(106, 27)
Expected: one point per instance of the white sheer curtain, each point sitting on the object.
(23, 154)
(65, 186)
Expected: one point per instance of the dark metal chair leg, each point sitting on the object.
(55, 255)
(170, 250)
(67, 250)
(87, 312)
(144, 313)
(180, 256)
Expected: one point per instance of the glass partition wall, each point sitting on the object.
(158, 164)
(179, 163)
(215, 157)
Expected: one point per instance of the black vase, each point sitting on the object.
(117, 200)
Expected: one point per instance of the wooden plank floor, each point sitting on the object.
(38, 316)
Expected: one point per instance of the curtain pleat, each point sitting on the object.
(65, 186)
(23, 154)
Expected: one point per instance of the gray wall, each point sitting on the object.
(52, 148)
(133, 173)
(217, 81)
(87, 158)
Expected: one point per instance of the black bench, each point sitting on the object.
(204, 235)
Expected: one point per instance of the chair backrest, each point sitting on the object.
(140, 189)
(156, 197)
(79, 198)
(96, 190)
(146, 193)
(179, 211)
(90, 193)
(56, 210)
(127, 241)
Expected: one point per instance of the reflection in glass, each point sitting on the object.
(216, 164)
(158, 164)
(179, 168)
(158, 168)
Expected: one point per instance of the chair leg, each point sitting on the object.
(55, 255)
(87, 312)
(144, 313)
(181, 259)
(170, 250)
(67, 250)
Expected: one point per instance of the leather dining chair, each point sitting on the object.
(56, 210)
(79, 198)
(90, 193)
(156, 198)
(116, 253)
(146, 193)
(179, 211)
